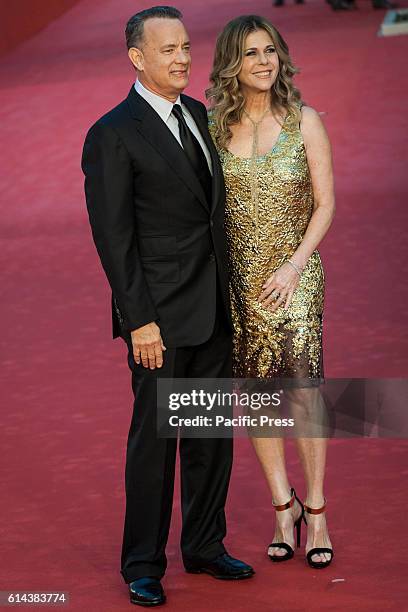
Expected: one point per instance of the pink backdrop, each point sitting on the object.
(20, 19)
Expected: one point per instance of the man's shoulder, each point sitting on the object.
(114, 119)
(194, 103)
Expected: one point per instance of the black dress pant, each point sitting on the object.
(150, 466)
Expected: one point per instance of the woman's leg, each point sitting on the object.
(271, 455)
(312, 453)
(309, 411)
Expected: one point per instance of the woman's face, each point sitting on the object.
(260, 65)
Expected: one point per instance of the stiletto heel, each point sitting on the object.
(318, 550)
(297, 525)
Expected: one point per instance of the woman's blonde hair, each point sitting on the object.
(226, 99)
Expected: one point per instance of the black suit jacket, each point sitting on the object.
(161, 244)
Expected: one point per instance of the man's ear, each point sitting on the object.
(136, 57)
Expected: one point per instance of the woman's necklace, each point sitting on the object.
(256, 125)
(254, 173)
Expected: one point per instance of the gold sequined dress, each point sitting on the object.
(262, 235)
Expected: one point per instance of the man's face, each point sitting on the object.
(163, 59)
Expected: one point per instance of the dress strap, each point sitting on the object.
(301, 105)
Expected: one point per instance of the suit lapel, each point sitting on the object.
(155, 131)
(218, 178)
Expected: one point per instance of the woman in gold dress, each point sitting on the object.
(280, 203)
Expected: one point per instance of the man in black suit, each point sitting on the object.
(155, 197)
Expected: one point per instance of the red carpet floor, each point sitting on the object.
(66, 399)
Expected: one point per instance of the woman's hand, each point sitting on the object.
(279, 288)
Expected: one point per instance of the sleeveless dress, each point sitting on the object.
(261, 236)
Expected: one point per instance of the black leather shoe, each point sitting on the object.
(223, 567)
(384, 4)
(342, 5)
(146, 592)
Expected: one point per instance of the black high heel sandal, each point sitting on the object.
(297, 525)
(318, 550)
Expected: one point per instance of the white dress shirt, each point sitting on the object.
(164, 109)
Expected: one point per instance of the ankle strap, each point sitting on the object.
(289, 504)
(310, 510)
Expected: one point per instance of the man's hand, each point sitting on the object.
(148, 346)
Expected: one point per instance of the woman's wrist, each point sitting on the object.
(299, 259)
(297, 268)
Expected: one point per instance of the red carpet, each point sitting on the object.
(66, 399)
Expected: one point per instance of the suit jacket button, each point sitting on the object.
(211, 223)
(212, 257)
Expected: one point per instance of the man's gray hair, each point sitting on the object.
(135, 26)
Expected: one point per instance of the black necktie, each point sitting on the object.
(194, 152)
